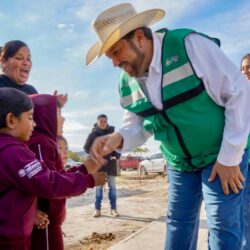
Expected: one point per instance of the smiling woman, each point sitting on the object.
(15, 60)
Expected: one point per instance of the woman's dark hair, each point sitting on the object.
(13, 101)
(11, 48)
(244, 57)
(146, 31)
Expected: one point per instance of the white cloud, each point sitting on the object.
(85, 12)
(74, 54)
(61, 26)
(232, 28)
(80, 114)
(66, 27)
(80, 94)
(152, 145)
(75, 141)
(72, 126)
(31, 18)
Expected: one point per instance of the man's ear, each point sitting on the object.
(10, 121)
(140, 37)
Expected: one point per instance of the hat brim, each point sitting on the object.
(145, 18)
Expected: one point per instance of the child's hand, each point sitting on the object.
(61, 98)
(91, 165)
(41, 220)
(100, 178)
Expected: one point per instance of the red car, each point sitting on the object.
(130, 162)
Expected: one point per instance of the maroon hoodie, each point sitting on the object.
(23, 178)
(43, 143)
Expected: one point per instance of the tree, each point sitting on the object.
(74, 156)
(140, 150)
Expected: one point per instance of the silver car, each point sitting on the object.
(155, 163)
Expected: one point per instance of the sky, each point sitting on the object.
(59, 34)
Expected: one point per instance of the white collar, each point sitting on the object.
(155, 65)
(156, 60)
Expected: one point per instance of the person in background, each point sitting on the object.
(24, 177)
(179, 86)
(43, 142)
(245, 66)
(103, 128)
(63, 149)
(245, 69)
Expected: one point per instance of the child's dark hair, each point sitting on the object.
(13, 101)
(60, 137)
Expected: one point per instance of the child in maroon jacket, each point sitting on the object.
(43, 142)
(24, 177)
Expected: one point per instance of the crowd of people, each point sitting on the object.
(33, 182)
(176, 85)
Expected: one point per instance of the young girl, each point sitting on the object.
(24, 177)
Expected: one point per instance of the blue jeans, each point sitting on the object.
(246, 211)
(224, 212)
(111, 194)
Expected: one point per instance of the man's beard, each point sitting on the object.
(137, 63)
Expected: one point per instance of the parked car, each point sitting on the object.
(155, 163)
(130, 162)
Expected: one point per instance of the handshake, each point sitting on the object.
(102, 146)
(92, 167)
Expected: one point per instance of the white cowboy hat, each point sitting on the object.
(114, 23)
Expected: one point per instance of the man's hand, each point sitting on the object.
(104, 145)
(230, 177)
(62, 99)
(91, 165)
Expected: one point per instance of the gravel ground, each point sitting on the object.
(140, 201)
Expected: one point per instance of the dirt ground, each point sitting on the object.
(139, 201)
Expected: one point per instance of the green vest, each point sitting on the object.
(190, 125)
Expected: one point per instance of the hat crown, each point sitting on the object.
(114, 23)
(111, 18)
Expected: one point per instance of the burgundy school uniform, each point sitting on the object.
(23, 178)
(44, 144)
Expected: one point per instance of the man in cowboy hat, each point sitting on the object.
(179, 86)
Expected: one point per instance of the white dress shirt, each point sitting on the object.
(223, 82)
